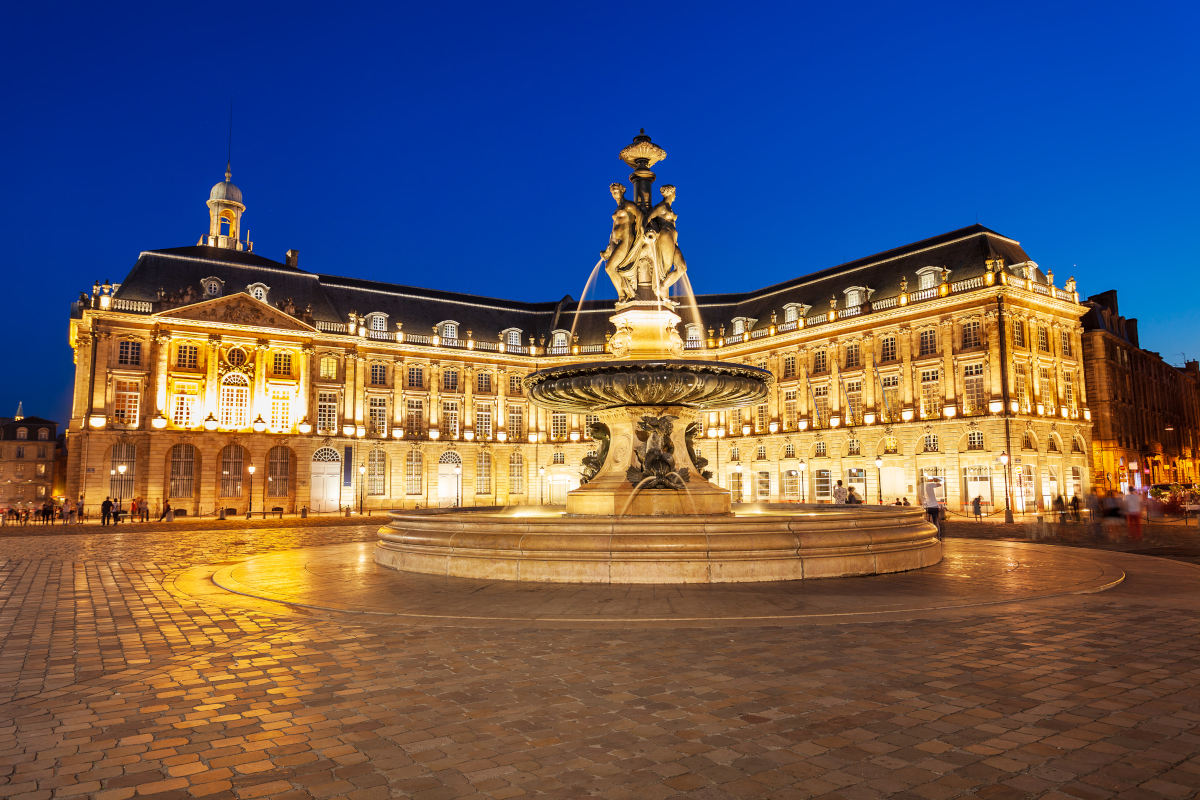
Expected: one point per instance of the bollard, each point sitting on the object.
(303, 512)
(221, 514)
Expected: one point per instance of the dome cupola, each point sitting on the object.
(225, 208)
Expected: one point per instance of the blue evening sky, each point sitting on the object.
(469, 146)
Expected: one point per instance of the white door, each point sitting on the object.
(895, 485)
(326, 480)
(449, 479)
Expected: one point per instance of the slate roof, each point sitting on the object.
(332, 297)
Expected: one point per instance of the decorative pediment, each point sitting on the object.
(238, 309)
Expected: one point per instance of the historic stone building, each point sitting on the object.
(1147, 424)
(220, 378)
(27, 457)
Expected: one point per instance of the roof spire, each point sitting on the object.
(20, 411)
(228, 172)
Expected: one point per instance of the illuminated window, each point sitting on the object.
(1065, 338)
(588, 421)
(187, 356)
(789, 409)
(739, 326)
(414, 469)
(514, 384)
(971, 334)
(930, 443)
(1027, 441)
(231, 467)
(327, 416)
(854, 297)
(483, 422)
(931, 394)
(820, 405)
(791, 484)
(483, 472)
(512, 338)
(975, 440)
(450, 379)
(378, 322)
(1076, 445)
(124, 454)
(414, 417)
(416, 377)
(182, 480)
(279, 471)
(760, 453)
(236, 356)
(559, 339)
(281, 364)
(558, 426)
(789, 450)
(1018, 333)
(789, 366)
(450, 419)
(823, 484)
(853, 447)
(819, 450)
(516, 473)
(891, 445)
(760, 417)
(973, 389)
(376, 473)
(1021, 389)
(1043, 339)
(259, 292)
(558, 458)
(483, 382)
(126, 402)
(129, 353)
(234, 401)
(1052, 443)
(516, 422)
(854, 410)
(377, 416)
(734, 453)
(853, 357)
(328, 368)
(819, 361)
(735, 486)
(450, 330)
(378, 374)
(927, 344)
(694, 335)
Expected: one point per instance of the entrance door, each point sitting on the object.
(558, 491)
(449, 479)
(895, 485)
(326, 480)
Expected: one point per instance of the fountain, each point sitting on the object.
(646, 511)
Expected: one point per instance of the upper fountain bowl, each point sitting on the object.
(584, 388)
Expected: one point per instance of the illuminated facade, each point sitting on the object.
(210, 360)
(27, 459)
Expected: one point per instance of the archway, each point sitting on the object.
(449, 479)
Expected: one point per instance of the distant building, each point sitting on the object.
(27, 455)
(210, 361)
(1146, 412)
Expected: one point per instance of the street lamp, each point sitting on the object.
(542, 485)
(737, 468)
(879, 477)
(250, 498)
(120, 485)
(1008, 515)
(803, 487)
(458, 484)
(362, 477)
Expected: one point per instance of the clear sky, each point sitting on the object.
(469, 146)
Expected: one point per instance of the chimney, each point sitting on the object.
(292, 258)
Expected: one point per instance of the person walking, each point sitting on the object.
(106, 511)
(1075, 506)
(933, 506)
(1060, 508)
(1133, 515)
(977, 507)
(839, 493)
(166, 510)
(852, 497)
(145, 509)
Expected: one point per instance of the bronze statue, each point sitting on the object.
(661, 222)
(624, 244)
(592, 464)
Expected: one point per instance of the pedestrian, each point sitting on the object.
(1060, 507)
(145, 509)
(906, 503)
(977, 507)
(106, 511)
(852, 497)
(1095, 514)
(1133, 515)
(1075, 506)
(839, 493)
(133, 509)
(166, 510)
(933, 506)
(72, 511)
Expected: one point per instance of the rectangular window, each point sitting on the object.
(760, 418)
(1021, 389)
(1043, 339)
(516, 422)
(763, 489)
(819, 362)
(327, 367)
(450, 379)
(1018, 333)
(1046, 387)
(789, 367)
(281, 364)
(450, 419)
(931, 394)
(927, 344)
(483, 383)
(791, 485)
(789, 410)
(187, 356)
(483, 422)
(378, 374)
(416, 377)
(129, 354)
(516, 474)
(413, 465)
(970, 334)
(281, 410)
(558, 426)
(973, 389)
(414, 417)
(327, 416)
(181, 482)
(1069, 390)
(183, 411)
(377, 416)
(41, 451)
(853, 357)
(514, 384)
(126, 402)
(887, 348)
(823, 485)
(854, 408)
(376, 473)
(891, 397)
(279, 472)
(1066, 344)
(820, 406)
(735, 486)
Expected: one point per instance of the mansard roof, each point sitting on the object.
(333, 298)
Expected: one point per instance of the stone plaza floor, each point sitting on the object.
(223, 662)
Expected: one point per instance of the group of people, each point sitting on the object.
(139, 509)
(846, 495)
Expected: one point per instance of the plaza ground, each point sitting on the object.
(1062, 668)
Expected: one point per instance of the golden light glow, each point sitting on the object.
(869, 418)
(434, 433)
(304, 426)
(574, 436)
(906, 415)
(835, 421)
(502, 435)
(397, 433)
(904, 298)
(996, 406)
(347, 430)
(949, 411)
(773, 426)
(360, 431)
(159, 422)
(469, 434)
(210, 422)
(97, 421)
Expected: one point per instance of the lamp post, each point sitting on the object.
(362, 477)
(737, 468)
(120, 483)
(457, 485)
(1008, 515)
(803, 481)
(879, 477)
(542, 485)
(250, 497)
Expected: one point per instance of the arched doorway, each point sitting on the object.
(449, 479)
(326, 480)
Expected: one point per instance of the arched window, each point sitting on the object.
(1076, 445)
(734, 453)
(1052, 443)
(975, 440)
(791, 313)
(414, 470)
(450, 457)
(512, 338)
(927, 277)
(259, 292)
(559, 339)
(234, 402)
(182, 481)
(231, 468)
(930, 443)
(483, 473)
(124, 454)
(450, 330)
(22, 434)
(279, 472)
(891, 445)
(516, 473)
(212, 288)
(328, 368)
(739, 326)
(1027, 441)
(789, 450)
(43, 434)
(693, 335)
(854, 297)
(376, 473)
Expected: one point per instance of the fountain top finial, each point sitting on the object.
(643, 153)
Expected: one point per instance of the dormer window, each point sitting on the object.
(212, 286)
(791, 312)
(377, 322)
(928, 277)
(857, 295)
(22, 433)
(258, 291)
(512, 337)
(448, 330)
(559, 338)
(742, 325)
(693, 334)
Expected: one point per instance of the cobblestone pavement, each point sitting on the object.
(115, 685)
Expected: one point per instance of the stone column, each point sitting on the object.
(162, 347)
(211, 362)
(775, 396)
(835, 378)
(950, 384)
(349, 366)
(398, 377)
(100, 382)
(468, 406)
(260, 404)
(991, 374)
(360, 388)
(501, 421)
(304, 388)
(870, 389)
(803, 399)
(435, 411)
(82, 357)
(904, 343)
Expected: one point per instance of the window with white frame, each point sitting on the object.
(820, 405)
(379, 323)
(377, 416)
(734, 453)
(378, 374)
(43, 435)
(558, 426)
(763, 485)
(739, 325)
(450, 419)
(281, 409)
(789, 409)
(791, 484)
(281, 363)
(516, 422)
(931, 394)
(1027, 441)
(512, 338)
(588, 421)
(483, 422)
(516, 473)
(854, 405)
(854, 297)
(129, 353)
(887, 348)
(927, 343)
(735, 420)
(971, 336)
(187, 356)
(820, 450)
(973, 402)
(791, 312)
(693, 335)
(327, 416)
(376, 473)
(975, 440)
(789, 450)
(558, 339)
(558, 458)
(483, 382)
(450, 379)
(483, 472)
(927, 277)
(414, 471)
(279, 471)
(1045, 387)
(891, 397)
(212, 287)
(259, 292)
(234, 401)
(735, 486)
(823, 485)
(929, 444)
(449, 330)
(126, 402)
(416, 377)
(414, 417)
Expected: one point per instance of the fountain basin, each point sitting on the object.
(765, 542)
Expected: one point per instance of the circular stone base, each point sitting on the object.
(761, 543)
